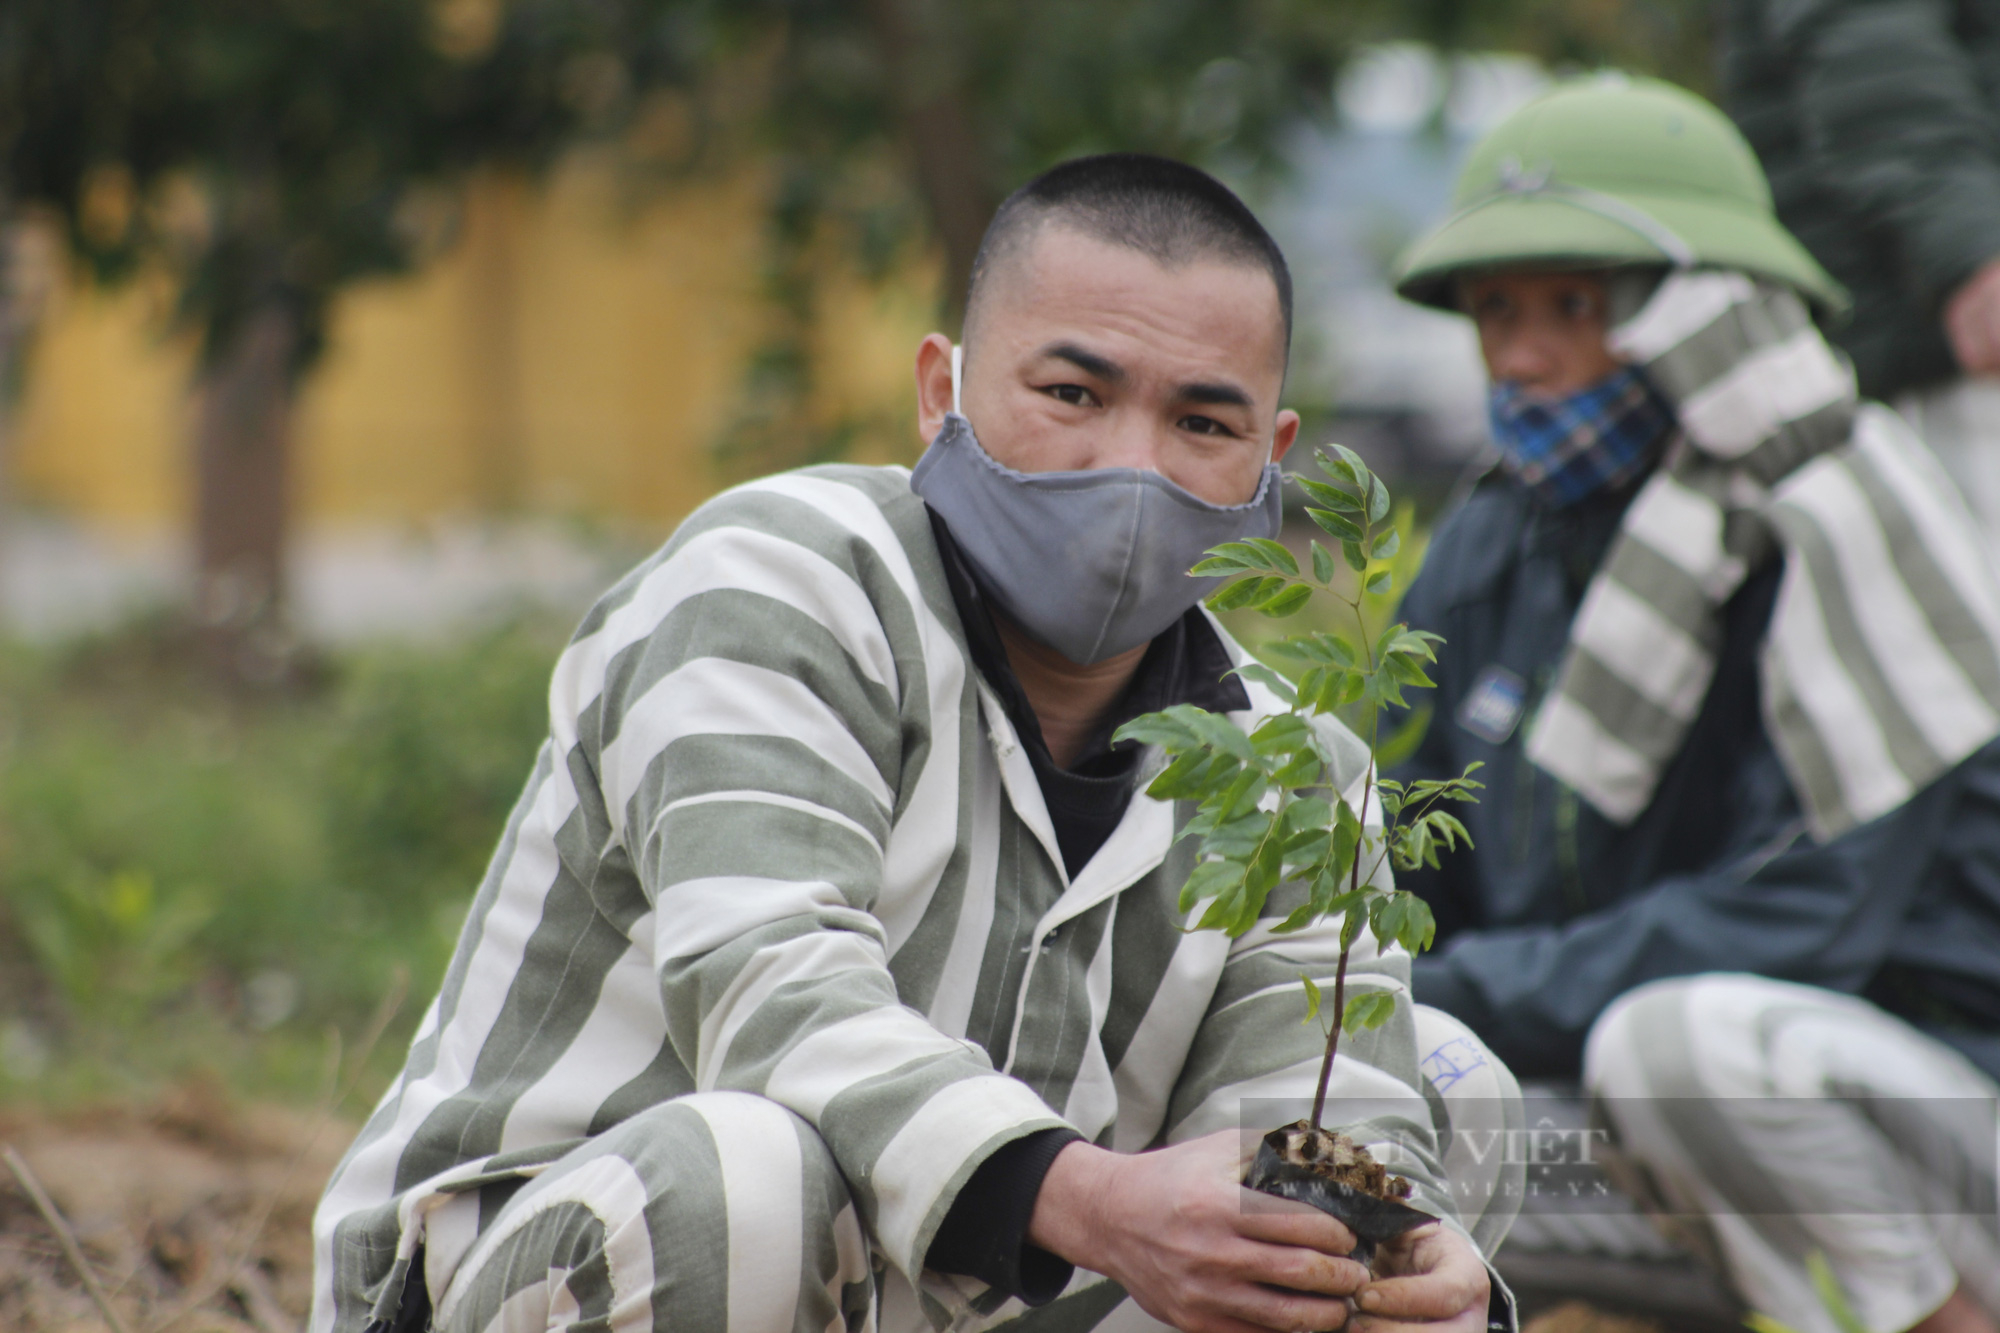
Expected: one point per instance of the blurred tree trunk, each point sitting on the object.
(13, 327)
(926, 82)
(244, 399)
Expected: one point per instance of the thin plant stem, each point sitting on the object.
(1332, 1039)
(64, 1236)
(1353, 883)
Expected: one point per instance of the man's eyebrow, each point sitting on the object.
(1090, 363)
(1215, 395)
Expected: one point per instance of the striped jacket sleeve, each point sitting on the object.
(756, 742)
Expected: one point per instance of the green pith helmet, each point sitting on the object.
(1612, 171)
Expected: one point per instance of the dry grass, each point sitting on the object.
(164, 1201)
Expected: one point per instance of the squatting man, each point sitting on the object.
(829, 971)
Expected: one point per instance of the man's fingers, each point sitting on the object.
(1288, 1222)
(1448, 1277)
(1296, 1313)
(1222, 1323)
(1298, 1269)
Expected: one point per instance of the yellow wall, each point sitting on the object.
(575, 352)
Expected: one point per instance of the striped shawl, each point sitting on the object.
(783, 840)
(1881, 667)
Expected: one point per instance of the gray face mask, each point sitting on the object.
(1090, 563)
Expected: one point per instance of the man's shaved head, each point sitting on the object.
(1168, 211)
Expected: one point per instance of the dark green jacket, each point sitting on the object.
(1878, 122)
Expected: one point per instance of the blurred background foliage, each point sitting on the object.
(214, 841)
(192, 879)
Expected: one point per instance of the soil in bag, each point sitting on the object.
(1339, 1177)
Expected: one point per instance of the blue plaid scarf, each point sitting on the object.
(1568, 448)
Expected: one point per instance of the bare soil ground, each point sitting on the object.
(194, 1214)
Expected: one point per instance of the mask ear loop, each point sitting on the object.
(957, 360)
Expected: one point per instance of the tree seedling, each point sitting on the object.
(1266, 811)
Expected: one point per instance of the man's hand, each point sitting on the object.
(1172, 1228)
(1430, 1276)
(1972, 321)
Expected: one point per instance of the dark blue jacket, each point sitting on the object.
(1557, 911)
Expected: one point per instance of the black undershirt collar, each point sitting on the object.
(1186, 664)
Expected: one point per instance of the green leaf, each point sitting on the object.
(1240, 593)
(1378, 500)
(1350, 928)
(1346, 834)
(1268, 678)
(1316, 649)
(1330, 496)
(1243, 794)
(1390, 793)
(1323, 566)
(1162, 729)
(1308, 814)
(1281, 734)
(1370, 1009)
(1386, 544)
(1342, 468)
(1269, 587)
(1222, 911)
(1357, 470)
(1338, 526)
(1410, 846)
(1250, 554)
(1301, 770)
(1215, 730)
(1276, 556)
(1445, 828)
(1194, 776)
(1380, 582)
(1210, 878)
(1312, 998)
(1287, 602)
(1341, 689)
(1402, 918)
(1357, 560)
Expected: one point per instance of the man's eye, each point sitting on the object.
(1073, 394)
(1204, 426)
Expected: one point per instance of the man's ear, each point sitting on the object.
(933, 384)
(1285, 435)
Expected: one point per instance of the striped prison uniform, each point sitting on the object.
(782, 903)
(1774, 1120)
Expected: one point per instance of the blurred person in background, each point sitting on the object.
(829, 973)
(1725, 640)
(1879, 125)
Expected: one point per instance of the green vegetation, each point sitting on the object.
(1267, 815)
(192, 882)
